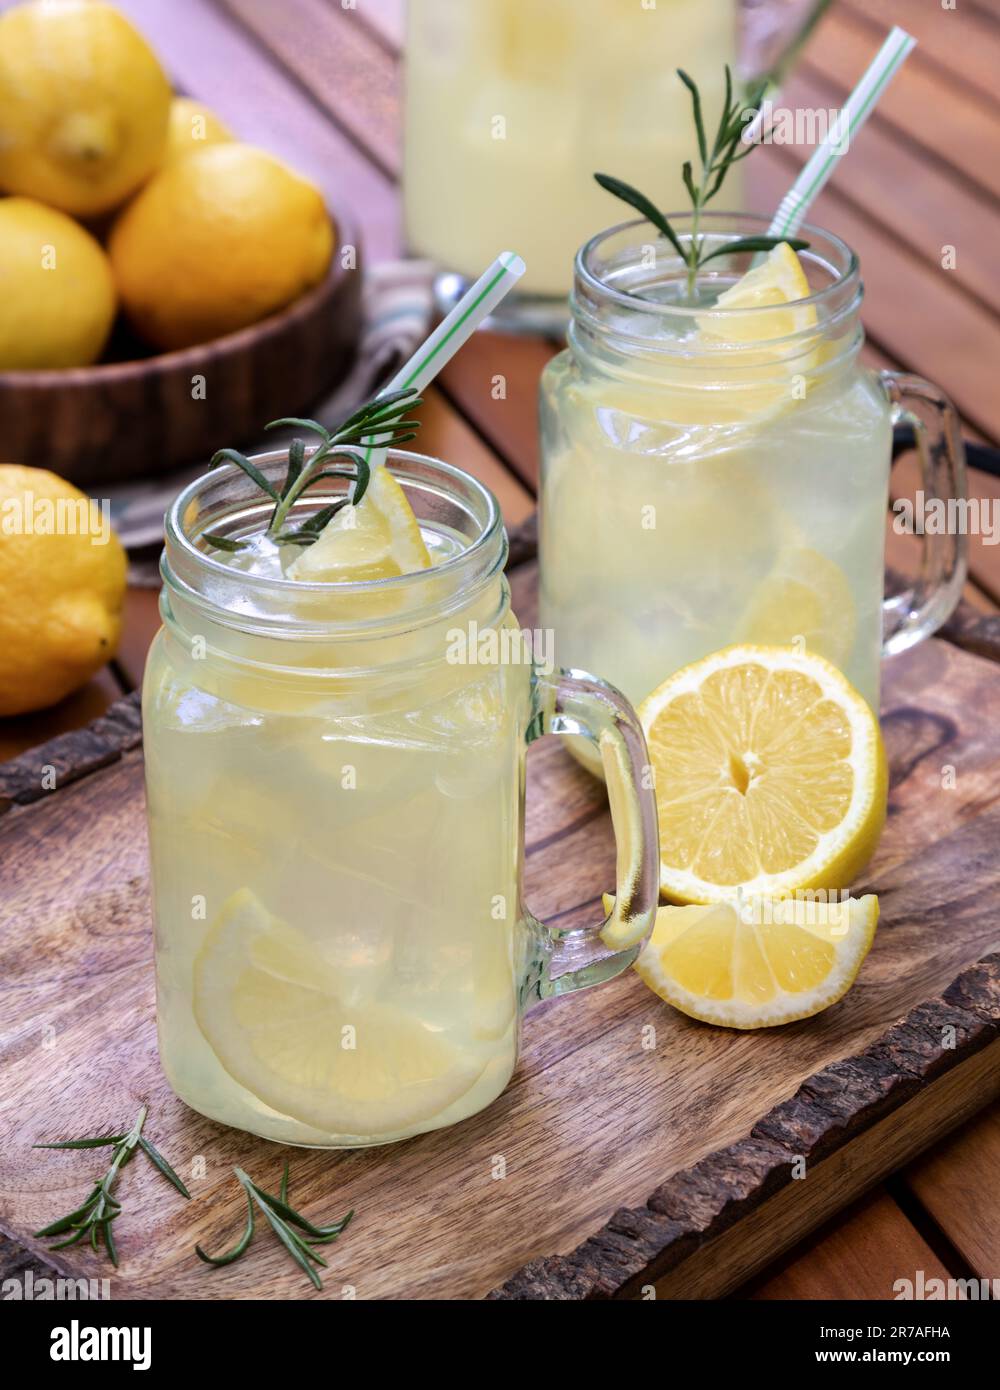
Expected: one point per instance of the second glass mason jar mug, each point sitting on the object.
(715, 475)
(335, 779)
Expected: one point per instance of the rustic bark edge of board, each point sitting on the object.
(717, 1267)
(831, 1108)
(71, 755)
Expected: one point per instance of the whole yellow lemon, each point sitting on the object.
(62, 583)
(192, 127)
(57, 293)
(83, 105)
(216, 241)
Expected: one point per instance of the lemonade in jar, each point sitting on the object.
(335, 788)
(715, 465)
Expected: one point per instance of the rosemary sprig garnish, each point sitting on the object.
(94, 1217)
(283, 1220)
(382, 421)
(716, 161)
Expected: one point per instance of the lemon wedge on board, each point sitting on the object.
(757, 963)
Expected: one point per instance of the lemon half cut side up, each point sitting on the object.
(770, 775)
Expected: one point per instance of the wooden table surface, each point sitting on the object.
(319, 85)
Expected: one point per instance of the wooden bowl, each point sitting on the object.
(128, 419)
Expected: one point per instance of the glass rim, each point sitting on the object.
(846, 271)
(175, 532)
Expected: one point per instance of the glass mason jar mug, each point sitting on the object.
(714, 475)
(335, 780)
(512, 105)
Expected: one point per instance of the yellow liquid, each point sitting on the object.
(512, 105)
(675, 522)
(373, 824)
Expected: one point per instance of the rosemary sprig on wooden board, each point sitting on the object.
(298, 1235)
(93, 1218)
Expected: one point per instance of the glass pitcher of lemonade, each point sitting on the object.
(512, 105)
(714, 475)
(335, 778)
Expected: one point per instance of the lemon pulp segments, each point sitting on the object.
(758, 963)
(770, 775)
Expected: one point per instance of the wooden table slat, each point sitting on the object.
(494, 380)
(924, 206)
(337, 59)
(960, 132)
(860, 1255)
(444, 434)
(961, 41)
(387, 18)
(956, 1182)
(984, 553)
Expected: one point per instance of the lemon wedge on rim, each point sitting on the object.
(770, 775)
(378, 539)
(267, 1002)
(764, 367)
(778, 280)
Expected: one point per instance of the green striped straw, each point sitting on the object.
(456, 328)
(856, 110)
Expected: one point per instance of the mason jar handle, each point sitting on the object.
(574, 704)
(919, 610)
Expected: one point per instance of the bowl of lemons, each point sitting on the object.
(162, 283)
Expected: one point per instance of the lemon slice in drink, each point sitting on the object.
(764, 369)
(778, 280)
(267, 1003)
(378, 539)
(805, 599)
(770, 775)
(759, 963)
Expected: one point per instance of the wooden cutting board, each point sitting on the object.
(634, 1147)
